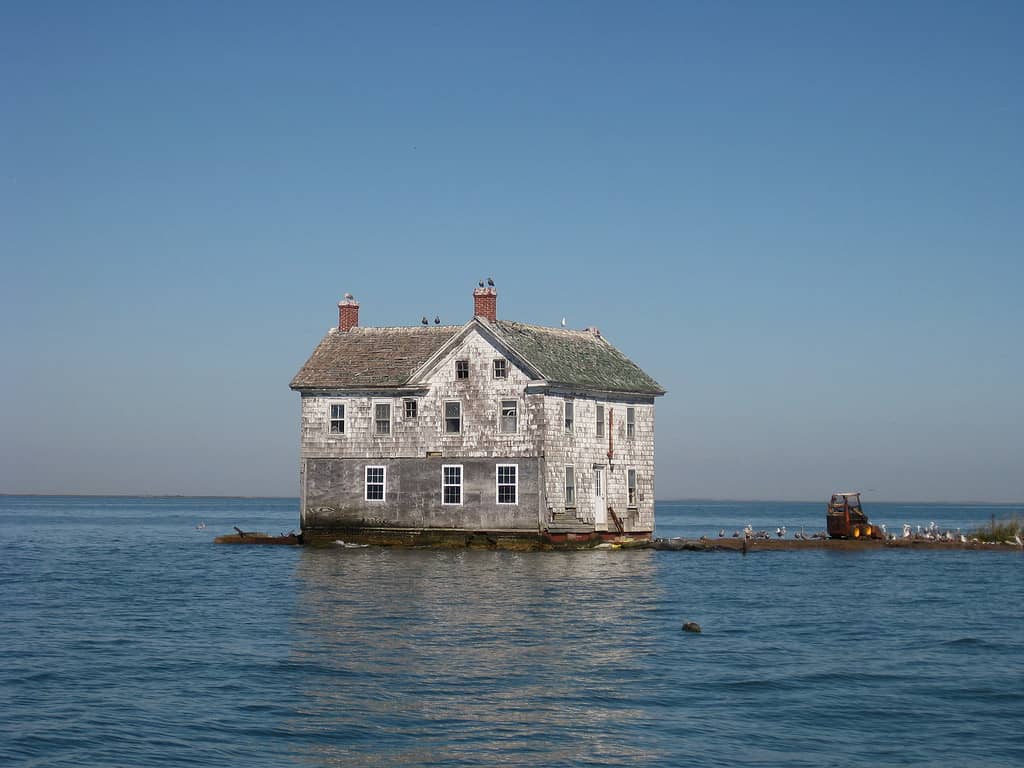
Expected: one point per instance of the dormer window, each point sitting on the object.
(462, 369)
(500, 369)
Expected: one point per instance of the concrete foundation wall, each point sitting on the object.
(335, 495)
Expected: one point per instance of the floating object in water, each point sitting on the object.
(201, 526)
(349, 544)
(691, 626)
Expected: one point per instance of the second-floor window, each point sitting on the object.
(600, 421)
(338, 418)
(382, 418)
(631, 487)
(569, 415)
(411, 409)
(500, 369)
(631, 423)
(509, 416)
(462, 369)
(452, 416)
(570, 487)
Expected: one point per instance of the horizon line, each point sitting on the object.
(683, 500)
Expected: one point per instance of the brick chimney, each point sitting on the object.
(348, 313)
(485, 302)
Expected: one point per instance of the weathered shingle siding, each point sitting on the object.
(480, 395)
(582, 449)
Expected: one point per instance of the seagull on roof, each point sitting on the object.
(490, 281)
(563, 322)
(481, 283)
(437, 319)
(423, 319)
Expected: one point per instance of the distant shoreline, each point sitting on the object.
(6, 494)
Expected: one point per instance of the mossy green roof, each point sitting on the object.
(578, 359)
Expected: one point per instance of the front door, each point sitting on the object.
(600, 504)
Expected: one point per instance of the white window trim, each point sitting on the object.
(391, 418)
(497, 468)
(631, 436)
(565, 486)
(636, 488)
(462, 484)
(344, 420)
(501, 418)
(366, 483)
(494, 369)
(416, 405)
(462, 378)
(444, 418)
(566, 405)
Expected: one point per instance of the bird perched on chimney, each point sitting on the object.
(423, 319)
(437, 319)
(349, 296)
(481, 283)
(490, 281)
(563, 322)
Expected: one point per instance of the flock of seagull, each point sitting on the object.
(930, 532)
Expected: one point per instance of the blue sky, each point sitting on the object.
(804, 219)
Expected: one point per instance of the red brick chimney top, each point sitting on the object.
(485, 303)
(348, 313)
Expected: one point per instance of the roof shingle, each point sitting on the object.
(388, 357)
(371, 357)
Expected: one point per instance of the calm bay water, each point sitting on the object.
(129, 639)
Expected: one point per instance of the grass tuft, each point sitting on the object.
(1000, 530)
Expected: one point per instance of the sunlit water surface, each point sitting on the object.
(130, 639)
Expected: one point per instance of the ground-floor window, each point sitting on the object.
(451, 484)
(508, 483)
(570, 487)
(631, 487)
(375, 483)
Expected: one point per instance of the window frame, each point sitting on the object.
(331, 405)
(445, 484)
(630, 422)
(570, 471)
(377, 421)
(383, 482)
(410, 401)
(514, 485)
(502, 417)
(504, 368)
(569, 415)
(632, 492)
(462, 370)
(599, 420)
(445, 417)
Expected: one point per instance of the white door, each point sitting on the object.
(600, 504)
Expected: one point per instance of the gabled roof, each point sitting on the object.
(394, 357)
(371, 357)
